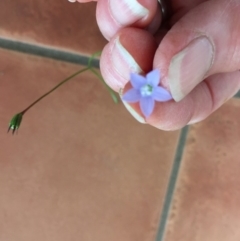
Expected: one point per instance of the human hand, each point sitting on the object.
(199, 57)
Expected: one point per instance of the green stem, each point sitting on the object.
(50, 91)
(92, 57)
(112, 93)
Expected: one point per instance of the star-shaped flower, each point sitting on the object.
(146, 91)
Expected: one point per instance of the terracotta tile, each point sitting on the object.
(80, 167)
(207, 196)
(56, 24)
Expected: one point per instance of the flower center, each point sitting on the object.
(146, 90)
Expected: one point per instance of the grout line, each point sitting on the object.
(52, 53)
(172, 183)
(237, 95)
(47, 52)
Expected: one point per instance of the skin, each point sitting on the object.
(218, 19)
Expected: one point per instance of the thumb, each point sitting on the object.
(83, 1)
(204, 42)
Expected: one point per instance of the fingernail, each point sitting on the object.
(134, 113)
(122, 61)
(72, 1)
(126, 12)
(189, 67)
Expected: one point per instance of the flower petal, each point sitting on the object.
(147, 105)
(160, 94)
(132, 96)
(137, 80)
(153, 77)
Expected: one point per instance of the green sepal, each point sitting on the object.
(15, 122)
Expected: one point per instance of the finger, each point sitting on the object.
(198, 105)
(185, 4)
(206, 41)
(130, 51)
(181, 7)
(84, 1)
(114, 15)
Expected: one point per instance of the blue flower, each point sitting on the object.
(146, 91)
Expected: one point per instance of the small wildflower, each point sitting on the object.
(146, 91)
(15, 122)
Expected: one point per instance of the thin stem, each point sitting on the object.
(50, 91)
(112, 93)
(92, 57)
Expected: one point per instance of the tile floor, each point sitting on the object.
(80, 167)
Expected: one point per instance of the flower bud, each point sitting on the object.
(15, 122)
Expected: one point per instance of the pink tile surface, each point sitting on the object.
(207, 196)
(56, 24)
(80, 168)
